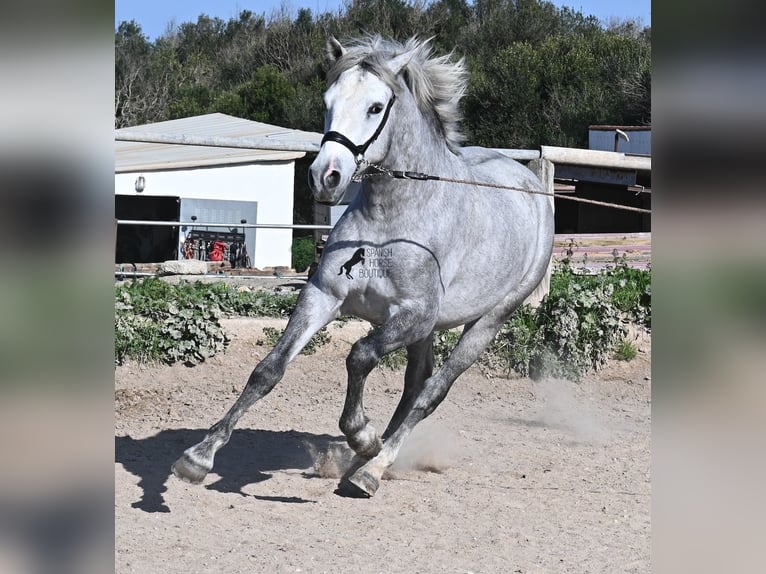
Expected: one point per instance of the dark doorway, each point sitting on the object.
(146, 243)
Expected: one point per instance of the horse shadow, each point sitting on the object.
(247, 459)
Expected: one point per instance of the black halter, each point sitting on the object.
(358, 150)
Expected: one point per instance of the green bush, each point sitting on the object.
(515, 347)
(580, 323)
(152, 294)
(272, 336)
(302, 253)
(156, 321)
(625, 350)
(444, 342)
(579, 327)
(394, 360)
(632, 289)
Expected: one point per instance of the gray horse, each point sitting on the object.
(418, 256)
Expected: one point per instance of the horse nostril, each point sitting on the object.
(332, 179)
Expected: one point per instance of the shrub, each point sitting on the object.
(575, 329)
(444, 342)
(625, 350)
(259, 304)
(272, 336)
(579, 325)
(394, 360)
(156, 321)
(516, 344)
(302, 253)
(632, 289)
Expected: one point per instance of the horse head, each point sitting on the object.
(359, 104)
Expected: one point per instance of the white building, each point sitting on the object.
(206, 185)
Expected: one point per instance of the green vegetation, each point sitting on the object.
(303, 253)
(625, 350)
(394, 360)
(181, 328)
(156, 321)
(538, 74)
(272, 336)
(580, 324)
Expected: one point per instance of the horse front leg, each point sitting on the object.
(313, 311)
(402, 330)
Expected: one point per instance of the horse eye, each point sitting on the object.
(375, 109)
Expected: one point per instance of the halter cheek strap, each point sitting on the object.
(359, 150)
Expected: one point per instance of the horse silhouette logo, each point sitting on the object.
(357, 257)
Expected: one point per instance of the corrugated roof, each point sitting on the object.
(137, 156)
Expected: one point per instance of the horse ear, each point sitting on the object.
(334, 49)
(398, 63)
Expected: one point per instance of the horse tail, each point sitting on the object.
(341, 270)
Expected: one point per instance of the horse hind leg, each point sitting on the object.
(365, 479)
(313, 310)
(420, 366)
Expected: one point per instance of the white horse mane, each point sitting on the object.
(437, 83)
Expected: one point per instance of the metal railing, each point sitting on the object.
(222, 225)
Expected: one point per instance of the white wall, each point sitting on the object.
(270, 184)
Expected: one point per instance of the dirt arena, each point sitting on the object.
(508, 475)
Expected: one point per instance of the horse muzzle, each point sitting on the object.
(327, 184)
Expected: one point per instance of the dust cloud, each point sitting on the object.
(560, 408)
(430, 448)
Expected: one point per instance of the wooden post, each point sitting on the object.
(543, 169)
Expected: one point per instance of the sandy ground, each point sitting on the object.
(522, 476)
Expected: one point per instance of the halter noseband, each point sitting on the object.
(359, 150)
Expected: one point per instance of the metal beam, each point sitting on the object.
(264, 143)
(224, 225)
(596, 174)
(519, 154)
(595, 158)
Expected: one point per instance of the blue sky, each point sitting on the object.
(155, 15)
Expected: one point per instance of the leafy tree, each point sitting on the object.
(265, 97)
(447, 20)
(549, 93)
(229, 103)
(503, 105)
(393, 18)
(192, 101)
(539, 74)
(132, 51)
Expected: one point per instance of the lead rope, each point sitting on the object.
(362, 164)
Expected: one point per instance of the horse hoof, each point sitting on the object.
(188, 470)
(361, 484)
